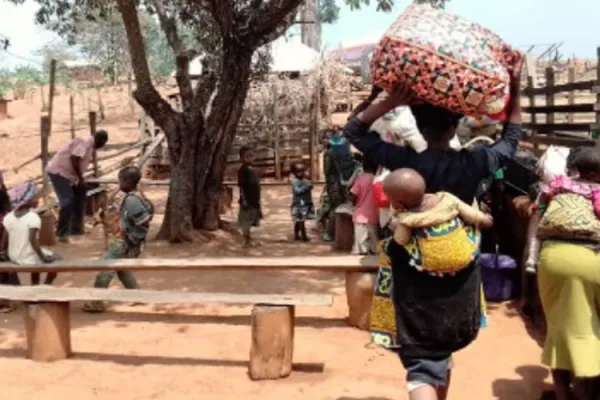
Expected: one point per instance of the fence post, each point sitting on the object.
(550, 96)
(92, 120)
(597, 127)
(313, 131)
(44, 136)
(72, 115)
(276, 135)
(51, 94)
(571, 115)
(531, 87)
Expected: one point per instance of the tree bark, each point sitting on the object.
(200, 137)
(221, 123)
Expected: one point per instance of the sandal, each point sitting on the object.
(94, 307)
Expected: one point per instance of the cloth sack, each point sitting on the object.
(553, 163)
(570, 216)
(399, 127)
(447, 60)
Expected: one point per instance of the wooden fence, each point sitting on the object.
(568, 115)
(278, 138)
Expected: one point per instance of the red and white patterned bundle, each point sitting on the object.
(447, 60)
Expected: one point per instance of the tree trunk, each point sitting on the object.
(221, 124)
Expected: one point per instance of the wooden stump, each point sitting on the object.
(360, 288)
(272, 342)
(47, 231)
(344, 232)
(48, 330)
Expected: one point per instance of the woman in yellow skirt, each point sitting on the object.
(568, 271)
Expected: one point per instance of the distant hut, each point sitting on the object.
(84, 71)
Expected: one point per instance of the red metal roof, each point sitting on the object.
(351, 54)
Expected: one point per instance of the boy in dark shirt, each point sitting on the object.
(435, 316)
(249, 184)
(135, 215)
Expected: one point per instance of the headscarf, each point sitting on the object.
(22, 194)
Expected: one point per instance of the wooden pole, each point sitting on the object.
(51, 94)
(531, 86)
(597, 127)
(276, 135)
(92, 120)
(312, 133)
(72, 115)
(571, 116)
(549, 95)
(100, 103)
(44, 136)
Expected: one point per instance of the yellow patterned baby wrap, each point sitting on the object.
(443, 248)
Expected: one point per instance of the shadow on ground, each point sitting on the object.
(530, 386)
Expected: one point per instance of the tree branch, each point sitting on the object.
(145, 94)
(270, 17)
(169, 26)
(223, 13)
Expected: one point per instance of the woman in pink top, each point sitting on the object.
(366, 214)
(66, 171)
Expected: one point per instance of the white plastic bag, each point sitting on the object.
(553, 163)
(399, 126)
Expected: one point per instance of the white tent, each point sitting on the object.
(293, 56)
(287, 56)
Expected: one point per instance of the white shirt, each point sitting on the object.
(20, 250)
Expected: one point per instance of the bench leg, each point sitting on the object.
(272, 342)
(48, 330)
(360, 288)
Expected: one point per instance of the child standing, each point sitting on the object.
(21, 232)
(366, 215)
(6, 278)
(302, 204)
(135, 214)
(250, 208)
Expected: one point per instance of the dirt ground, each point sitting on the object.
(181, 352)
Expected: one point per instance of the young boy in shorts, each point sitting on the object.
(134, 219)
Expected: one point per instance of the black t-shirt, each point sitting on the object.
(249, 185)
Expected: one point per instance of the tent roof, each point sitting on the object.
(287, 56)
(292, 56)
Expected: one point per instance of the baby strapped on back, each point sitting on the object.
(439, 231)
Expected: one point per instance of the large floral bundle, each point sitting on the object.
(448, 61)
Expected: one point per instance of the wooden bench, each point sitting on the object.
(360, 271)
(48, 323)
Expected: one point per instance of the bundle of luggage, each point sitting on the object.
(447, 60)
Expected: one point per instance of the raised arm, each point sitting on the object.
(490, 159)
(370, 144)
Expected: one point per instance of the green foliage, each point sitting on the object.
(329, 11)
